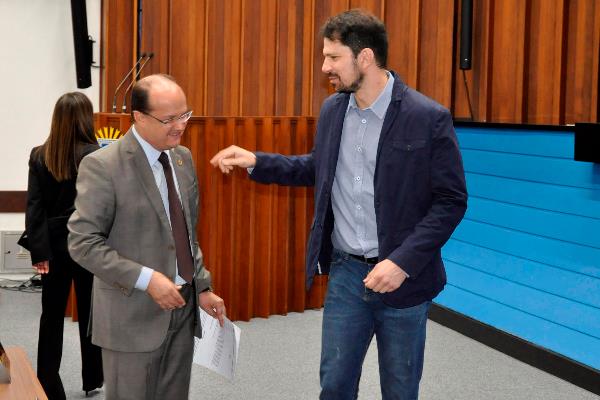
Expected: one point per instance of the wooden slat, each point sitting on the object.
(320, 85)
(544, 64)
(222, 59)
(282, 222)
(506, 97)
(581, 102)
(259, 57)
(435, 56)
(293, 57)
(156, 36)
(375, 7)
(264, 224)
(190, 29)
(118, 52)
(403, 22)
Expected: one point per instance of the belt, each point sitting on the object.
(371, 260)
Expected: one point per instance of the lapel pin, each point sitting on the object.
(179, 162)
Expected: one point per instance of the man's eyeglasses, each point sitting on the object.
(173, 120)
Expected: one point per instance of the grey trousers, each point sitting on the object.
(161, 374)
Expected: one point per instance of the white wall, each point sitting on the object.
(37, 65)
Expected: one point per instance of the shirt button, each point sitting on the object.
(364, 121)
(358, 207)
(359, 149)
(358, 178)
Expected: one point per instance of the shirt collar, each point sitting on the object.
(381, 104)
(151, 153)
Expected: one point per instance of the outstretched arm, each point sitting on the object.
(233, 156)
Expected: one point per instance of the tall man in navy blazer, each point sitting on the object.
(389, 191)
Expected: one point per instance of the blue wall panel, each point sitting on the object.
(526, 258)
(571, 343)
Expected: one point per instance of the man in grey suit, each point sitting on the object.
(134, 228)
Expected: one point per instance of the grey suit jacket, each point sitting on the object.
(120, 225)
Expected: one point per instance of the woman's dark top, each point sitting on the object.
(49, 205)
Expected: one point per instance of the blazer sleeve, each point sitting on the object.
(449, 201)
(90, 225)
(36, 220)
(284, 170)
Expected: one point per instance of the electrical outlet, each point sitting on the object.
(15, 259)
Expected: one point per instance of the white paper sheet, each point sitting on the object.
(218, 348)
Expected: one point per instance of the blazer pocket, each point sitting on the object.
(409, 145)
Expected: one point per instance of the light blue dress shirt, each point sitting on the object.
(161, 182)
(355, 226)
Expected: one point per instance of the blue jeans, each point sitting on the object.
(353, 314)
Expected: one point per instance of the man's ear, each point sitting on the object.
(366, 57)
(135, 115)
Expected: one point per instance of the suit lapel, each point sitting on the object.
(337, 127)
(145, 176)
(392, 111)
(390, 116)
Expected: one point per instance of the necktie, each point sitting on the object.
(183, 252)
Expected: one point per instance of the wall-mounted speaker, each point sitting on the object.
(466, 33)
(83, 44)
(587, 142)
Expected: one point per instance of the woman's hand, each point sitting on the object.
(43, 267)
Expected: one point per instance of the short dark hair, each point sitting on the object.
(139, 93)
(359, 30)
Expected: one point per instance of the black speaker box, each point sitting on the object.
(466, 33)
(587, 142)
(83, 44)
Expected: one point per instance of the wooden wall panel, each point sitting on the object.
(534, 61)
(435, 58)
(294, 64)
(253, 236)
(223, 60)
(583, 51)
(118, 48)
(259, 21)
(477, 79)
(376, 7)
(402, 21)
(321, 87)
(191, 30)
(544, 74)
(156, 37)
(505, 95)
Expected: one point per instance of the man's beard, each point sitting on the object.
(351, 88)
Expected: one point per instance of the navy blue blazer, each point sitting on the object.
(420, 190)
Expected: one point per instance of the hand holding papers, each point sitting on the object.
(218, 348)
